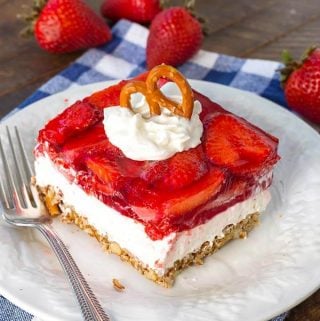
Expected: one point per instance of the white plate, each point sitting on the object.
(253, 279)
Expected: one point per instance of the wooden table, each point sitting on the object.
(244, 28)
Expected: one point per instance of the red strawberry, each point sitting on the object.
(141, 11)
(177, 172)
(175, 36)
(130, 167)
(107, 97)
(179, 204)
(302, 84)
(92, 142)
(152, 204)
(208, 106)
(69, 25)
(196, 194)
(114, 171)
(241, 147)
(105, 169)
(154, 171)
(75, 119)
(111, 95)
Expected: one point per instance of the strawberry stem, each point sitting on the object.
(291, 65)
(190, 4)
(286, 57)
(31, 17)
(307, 53)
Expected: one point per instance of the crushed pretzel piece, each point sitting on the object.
(117, 285)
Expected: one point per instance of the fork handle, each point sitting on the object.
(90, 307)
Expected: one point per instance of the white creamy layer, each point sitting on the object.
(129, 234)
(141, 137)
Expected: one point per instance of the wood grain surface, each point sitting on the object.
(244, 28)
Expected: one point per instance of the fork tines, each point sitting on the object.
(15, 189)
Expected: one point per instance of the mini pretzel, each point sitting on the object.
(155, 97)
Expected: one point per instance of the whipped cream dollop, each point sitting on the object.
(141, 137)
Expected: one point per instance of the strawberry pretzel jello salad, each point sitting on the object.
(162, 179)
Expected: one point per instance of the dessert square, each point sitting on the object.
(160, 180)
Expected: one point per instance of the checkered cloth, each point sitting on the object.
(124, 57)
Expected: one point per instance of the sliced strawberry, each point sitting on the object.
(171, 211)
(107, 97)
(75, 119)
(161, 203)
(114, 171)
(89, 143)
(142, 199)
(130, 167)
(176, 172)
(154, 171)
(96, 134)
(232, 142)
(105, 169)
(183, 169)
(208, 107)
(197, 194)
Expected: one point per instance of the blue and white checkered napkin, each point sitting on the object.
(124, 57)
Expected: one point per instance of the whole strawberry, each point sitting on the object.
(175, 36)
(141, 11)
(69, 25)
(302, 84)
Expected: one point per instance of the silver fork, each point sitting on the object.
(22, 207)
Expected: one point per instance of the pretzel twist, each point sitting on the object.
(155, 98)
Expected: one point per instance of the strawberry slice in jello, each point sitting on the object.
(162, 210)
(242, 148)
(75, 119)
(87, 144)
(177, 172)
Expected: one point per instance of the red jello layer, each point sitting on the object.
(166, 196)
